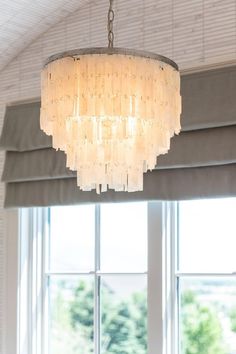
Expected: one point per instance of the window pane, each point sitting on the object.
(207, 235)
(72, 238)
(124, 237)
(208, 315)
(124, 314)
(71, 315)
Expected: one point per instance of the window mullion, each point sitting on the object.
(97, 283)
(183, 275)
(169, 264)
(97, 316)
(33, 279)
(38, 290)
(176, 309)
(45, 279)
(155, 278)
(174, 265)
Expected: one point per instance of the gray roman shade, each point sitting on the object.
(201, 162)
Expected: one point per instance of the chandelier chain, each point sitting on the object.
(110, 16)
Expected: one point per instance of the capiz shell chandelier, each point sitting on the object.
(112, 111)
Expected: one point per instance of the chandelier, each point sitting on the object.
(111, 110)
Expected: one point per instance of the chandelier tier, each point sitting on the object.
(112, 111)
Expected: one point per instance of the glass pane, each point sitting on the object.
(208, 315)
(124, 314)
(72, 238)
(71, 315)
(207, 235)
(124, 237)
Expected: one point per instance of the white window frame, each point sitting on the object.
(24, 330)
(176, 276)
(33, 228)
(11, 275)
(31, 314)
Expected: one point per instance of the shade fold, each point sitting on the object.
(170, 184)
(201, 161)
(209, 147)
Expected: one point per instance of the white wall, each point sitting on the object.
(195, 33)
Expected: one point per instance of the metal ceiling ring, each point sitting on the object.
(110, 51)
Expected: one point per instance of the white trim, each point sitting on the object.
(155, 278)
(173, 316)
(179, 274)
(93, 273)
(11, 231)
(45, 283)
(30, 300)
(23, 298)
(97, 281)
(169, 281)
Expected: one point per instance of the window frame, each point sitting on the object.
(96, 273)
(34, 230)
(163, 312)
(10, 289)
(177, 275)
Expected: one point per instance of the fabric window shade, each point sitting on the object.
(200, 163)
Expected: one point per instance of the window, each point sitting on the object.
(97, 279)
(205, 277)
(90, 284)
(91, 279)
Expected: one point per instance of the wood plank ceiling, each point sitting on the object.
(21, 21)
(192, 32)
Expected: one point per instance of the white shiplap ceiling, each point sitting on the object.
(194, 33)
(21, 21)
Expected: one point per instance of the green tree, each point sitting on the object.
(121, 331)
(124, 323)
(82, 312)
(64, 338)
(140, 303)
(201, 329)
(233, 319)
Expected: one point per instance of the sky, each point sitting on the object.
(207, 238)
(123, 242)
(123, 238)
(207, 233)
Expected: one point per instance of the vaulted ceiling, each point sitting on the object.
(192, 32)
(21, 21)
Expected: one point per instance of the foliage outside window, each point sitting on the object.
(205, 276)
(105, 265)
(96, 287)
